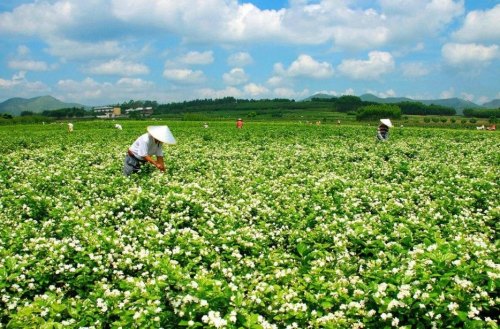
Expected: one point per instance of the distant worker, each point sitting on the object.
(492, 127)
(205, 125)
(118, 126)
(239, 123)
(146, 147)
(70, 127)
(338, 122)
(383, 129)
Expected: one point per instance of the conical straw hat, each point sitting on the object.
(386, 122)
(162, 133)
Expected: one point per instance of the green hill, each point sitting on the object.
(494, 104)
(15, 106)
(458, 104)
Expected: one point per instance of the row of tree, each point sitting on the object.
(345, 104)
(353, 103)
(482, 113)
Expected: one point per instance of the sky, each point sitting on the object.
(104, 52)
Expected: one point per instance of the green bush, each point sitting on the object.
(472, 120)
(372, 112)
(427, 120)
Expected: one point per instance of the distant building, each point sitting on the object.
(144, 111)
(107, 112)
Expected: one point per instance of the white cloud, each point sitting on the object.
(236, 76)
(305, 66)
(39, 18)
(383, 94)
(255, 90)
(89, 90)
(445, 94)
(341, 23)
(276, 80)
(213, 93)
(73, 50)
(480, 26)
(28, 65)
(21, 86)
(197, 58)
(360, 38)
(240, 59)
(457, 54)
(412, 20)
(467, 96)
(378, 64)
(16, 79)
(290, 93)
(135, 83)
(348, 91)
(22, 50)
(415, 69)
(184, 76)
(118, 67)
(482, 99)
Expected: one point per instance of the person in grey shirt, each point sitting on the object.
(148, 148)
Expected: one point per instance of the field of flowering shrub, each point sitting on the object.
(271, 226)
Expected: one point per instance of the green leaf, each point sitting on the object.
(462, 315)
(302, 249)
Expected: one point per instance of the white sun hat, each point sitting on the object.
(162, 133)
(386, 122)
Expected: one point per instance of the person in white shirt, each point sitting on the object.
(383, 129)
(148, 148)
(118, 126)
(70, 127)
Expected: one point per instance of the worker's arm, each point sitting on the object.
(158, 163)
(159, 160)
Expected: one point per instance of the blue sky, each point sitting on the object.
(99, 52)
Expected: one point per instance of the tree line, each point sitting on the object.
(345, 104)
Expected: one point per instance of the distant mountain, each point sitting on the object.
(458, 104)
(494, 104)
(15, 106)
(388, 100)
(319, 95)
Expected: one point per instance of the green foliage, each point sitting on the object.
(276, 225)
(472, 120)
(26, 120)
(417, 108)
(194, 117)
(348, 103)
(374, 112)
(65, 113)
(481, 113)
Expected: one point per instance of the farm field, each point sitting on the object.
(276, 225)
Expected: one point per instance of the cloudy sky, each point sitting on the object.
(99, 52)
